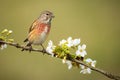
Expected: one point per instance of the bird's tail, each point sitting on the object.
(26, 40)
(28, 44)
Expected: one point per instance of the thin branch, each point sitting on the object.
(107, 74)
(23, 47)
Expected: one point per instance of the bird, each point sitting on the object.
(39, 30)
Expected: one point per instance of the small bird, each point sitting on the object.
(39, 29)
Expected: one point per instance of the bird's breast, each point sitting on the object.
(39, 35)
(43, 28)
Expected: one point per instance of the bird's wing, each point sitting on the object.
(26, 40)
(33, 25)
(31, 28)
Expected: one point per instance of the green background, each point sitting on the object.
(95, 22)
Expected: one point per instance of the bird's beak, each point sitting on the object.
(53, 16)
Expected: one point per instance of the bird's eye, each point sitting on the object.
(47, 14)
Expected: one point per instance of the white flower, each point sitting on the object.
(76, 42)
(10, 31)
(63, 61)
(72, 42)
(50, 48)
(3, 46)
(91, 62)
(69, 42)
(85, 70)
(69, 63)
(69, 39)
(81, 50)
(62, 42)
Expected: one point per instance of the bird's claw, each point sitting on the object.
(30, 48)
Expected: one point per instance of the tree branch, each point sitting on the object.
(107, 74)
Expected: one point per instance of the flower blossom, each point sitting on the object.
(85, 70)
(62, 42)
(10, 31)
(3, 46)
(81, 50)
(70, 42)
(69, 63)
(76, 42)
(90, 62)
(50, 48)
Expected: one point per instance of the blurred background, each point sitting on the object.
(95, 22)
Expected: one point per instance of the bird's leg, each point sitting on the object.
(30, 48)
(43, 50)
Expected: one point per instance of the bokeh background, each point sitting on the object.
(95, 22)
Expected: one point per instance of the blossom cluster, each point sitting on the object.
(4, 37)
(65, 48)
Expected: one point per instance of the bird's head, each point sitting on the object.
(46, 17)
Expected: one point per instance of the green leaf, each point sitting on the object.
(4, 31)
(2, 38)
(11, 40)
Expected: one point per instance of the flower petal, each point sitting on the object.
(10, 31)
(84, 46)
(69, 39)
(83, 53)
(91, 62)
(69, 64)
(3, 46)
(85, 70)
(62, 42)
(50, 48)
(77, 52)
(76, 42)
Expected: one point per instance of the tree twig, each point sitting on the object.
(107, 74)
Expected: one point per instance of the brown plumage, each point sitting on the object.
(39, 29)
